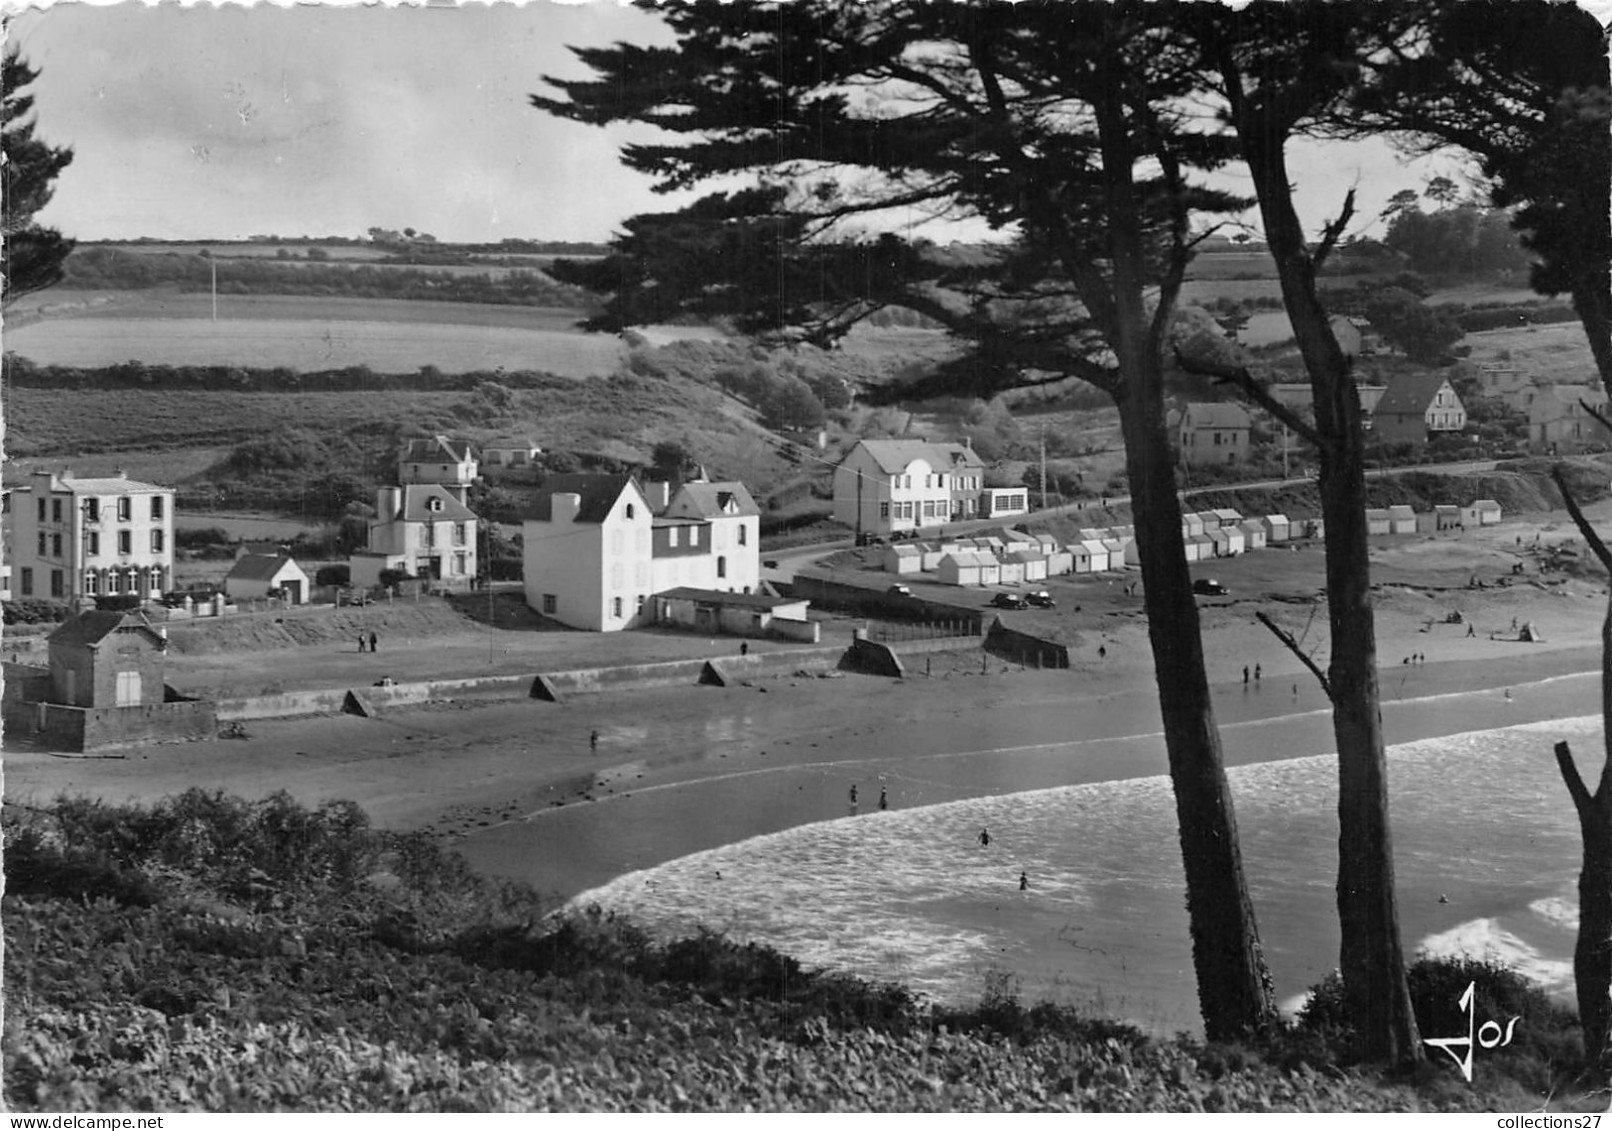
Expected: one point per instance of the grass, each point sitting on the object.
(210, 953)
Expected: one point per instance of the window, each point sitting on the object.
(629, 510)
(125, 508)
(640, 602)
(56, 587)
(694, 536)
(92, 582)
(433, 504)
(92, 543)
(459, 564)
(55, 510)
(41, 508)
(27, 581)
(615, 607)
(550, 603)
(671, 534)
(722, 567)
(114, 582)
(615, 576)
(741, 534)
(884, 510)
(156, 507)
(41, 544)
(416, 473)
(458, 534)
(92, 510)
(125, 541)
(55, 545)
(156, 541)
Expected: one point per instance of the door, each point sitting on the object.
(128, 689)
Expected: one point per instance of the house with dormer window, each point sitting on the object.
(1415, 407)
(423, 530)
(450, 464)
(885, 486)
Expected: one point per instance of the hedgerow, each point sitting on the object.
(211, 953)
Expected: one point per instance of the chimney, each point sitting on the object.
(388, 501)
(659, 494)
(564, 506)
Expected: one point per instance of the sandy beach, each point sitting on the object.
(518, 789)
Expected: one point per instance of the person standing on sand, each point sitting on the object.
(1245, 675)
(360, 641)
(985, 838)
(744, 647)
(884, 798)
(1024, 881)
(593, 742)
(1257, 671)
(1471, 630)
(374, 643)
(853, 793)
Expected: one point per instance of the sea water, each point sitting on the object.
(1486, 850)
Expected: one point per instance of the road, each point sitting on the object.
(789, 561)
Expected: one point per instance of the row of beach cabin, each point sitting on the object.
(1405, 520)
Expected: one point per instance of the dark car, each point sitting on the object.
(868, 538)
(1009, 601)
(1041, 599)
(898, 591)
(1209, 587)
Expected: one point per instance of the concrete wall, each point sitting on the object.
(1029, 650)
(88, 729)
(830, 594)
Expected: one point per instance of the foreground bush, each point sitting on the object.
(216, 954)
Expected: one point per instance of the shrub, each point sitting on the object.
(333, 575)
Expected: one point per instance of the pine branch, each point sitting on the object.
(1591, 538)
(1239, 376)
(1575, 784)
(1330, 234)
(1293, 646)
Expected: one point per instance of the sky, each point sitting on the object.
(329, 119)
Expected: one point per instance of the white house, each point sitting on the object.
(256, 576)
(1483, 512)
(733, 562)
(74, 539)
(422, 529)
(587, 555)
(1276, 527)
(447, 463)
(883, 486)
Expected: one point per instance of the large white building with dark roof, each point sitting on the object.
(74, 539)
(884, 486)
(421, 529)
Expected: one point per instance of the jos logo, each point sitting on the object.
(1488, 1036)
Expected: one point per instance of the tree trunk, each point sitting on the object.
(1594, 310)
(1372, 959)
(1234, 986)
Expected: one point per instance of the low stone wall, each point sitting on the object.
(873, 658)
(1023, 648)
(330, 701)
(877, 603)
(90, 729)
(805, 631)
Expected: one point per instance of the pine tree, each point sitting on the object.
(33, 254)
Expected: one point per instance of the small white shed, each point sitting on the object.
(1276, 528)
(258, 576)
(1401, 519)
(902, 557)
(1377, 521)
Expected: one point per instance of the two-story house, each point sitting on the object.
(422, 529)
(1557, 420)
(587, 555)
(73, 539)
(1214, 432)
(733, 561)
(882, 486)
(1416, 406)
(448, 463)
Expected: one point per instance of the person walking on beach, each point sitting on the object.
(884, 798)
(360, 641)
(1245, 675)
(374, 643)
(1024, 881)
(744, 647)
(1471, 630)
(1256, 673)
(985, 839)
(853, 793)
(593, 742)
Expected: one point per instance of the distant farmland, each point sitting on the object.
(318, 333)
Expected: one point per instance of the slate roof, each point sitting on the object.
(711, 499)
(599, 493)
(415, 509)
(258, 567)
(102, 485)
(1409, 395)
(89, 629)
(894, 455)
(1217, 414)
(436, 450)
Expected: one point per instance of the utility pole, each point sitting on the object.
(858, 475)
(213, 263)
(1043, 465)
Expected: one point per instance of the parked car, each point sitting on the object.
(899, 591)
(869, 538)
(1041, 599)
(770, 563)
(1009, 601)
(1209, 587)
